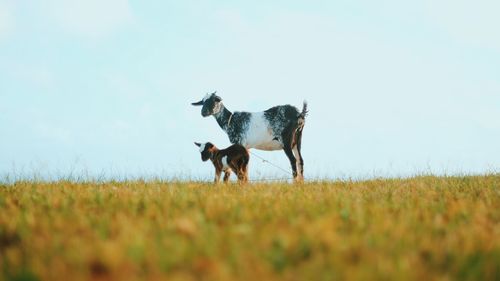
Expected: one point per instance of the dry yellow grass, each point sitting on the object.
(424, 228)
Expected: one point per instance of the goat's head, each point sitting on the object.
(212, 104)
(205, 150)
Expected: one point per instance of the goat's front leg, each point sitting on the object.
(227, 173)
(217, 176)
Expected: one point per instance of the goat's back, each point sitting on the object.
(235, 151)
(237, 156)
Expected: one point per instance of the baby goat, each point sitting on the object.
(234, 158)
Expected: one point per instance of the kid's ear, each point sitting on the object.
(197, 144)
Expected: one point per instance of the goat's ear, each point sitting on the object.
(197, 144)
(217, 99)
(197, 103)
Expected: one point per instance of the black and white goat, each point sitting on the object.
(234, 158)
(277, 128)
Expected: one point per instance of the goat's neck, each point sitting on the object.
(223, 117)
(213, 154)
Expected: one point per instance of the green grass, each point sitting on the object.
(424, 228)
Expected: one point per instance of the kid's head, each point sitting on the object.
(205, 150)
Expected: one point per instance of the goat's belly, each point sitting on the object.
(263, 144)
(272, 145)
(259, 134)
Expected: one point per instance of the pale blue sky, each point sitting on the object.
(104, 87)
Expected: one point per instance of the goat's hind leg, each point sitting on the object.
(293, 161)
(299, 163)
(243, 170)
(289, 135)
(242, 175)
(227, 173)
(298, 154)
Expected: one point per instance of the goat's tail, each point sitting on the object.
(304, 112)
(302, 117)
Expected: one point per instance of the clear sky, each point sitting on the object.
(395, 88)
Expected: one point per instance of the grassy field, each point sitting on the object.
(423, 228)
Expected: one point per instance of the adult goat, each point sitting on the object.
(277, 128)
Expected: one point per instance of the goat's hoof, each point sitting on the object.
(298, 179)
